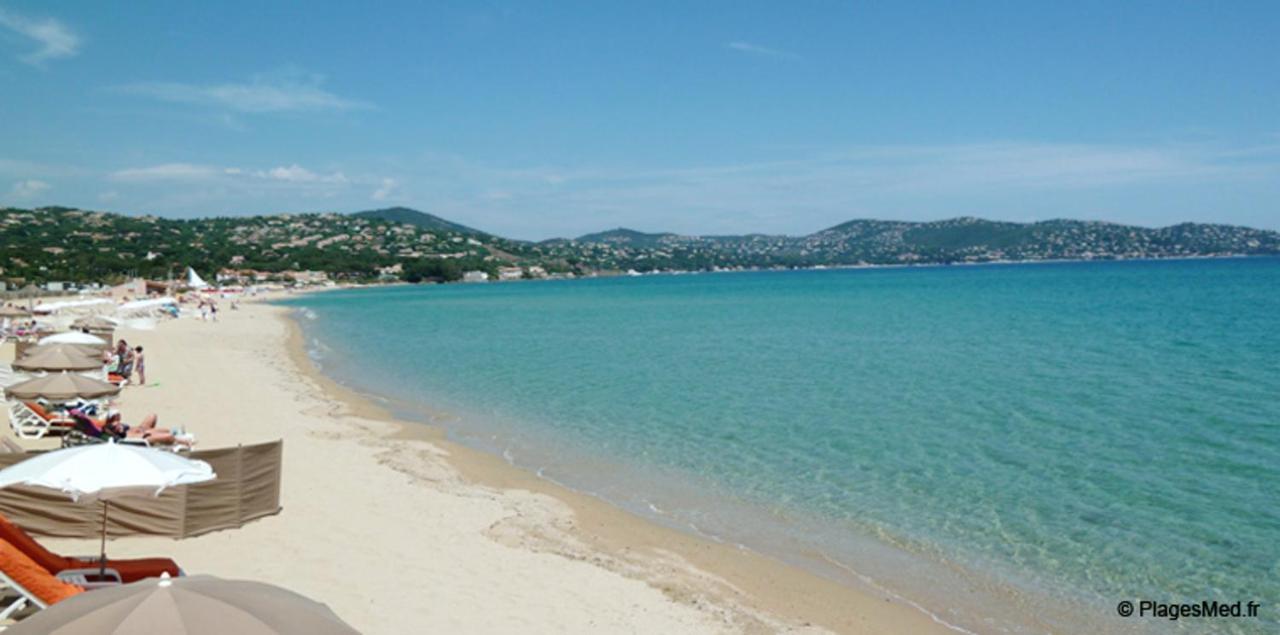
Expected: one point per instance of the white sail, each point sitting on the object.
(194, 281)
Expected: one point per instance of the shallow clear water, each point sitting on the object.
(1015, 448)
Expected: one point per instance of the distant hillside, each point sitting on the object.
(955, 240)
(422, 220)
(63, 244)
(978, 240)
(623, 236)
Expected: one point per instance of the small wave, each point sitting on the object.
(897, 596)
(707, 535)
(307, 313)
(317, 350)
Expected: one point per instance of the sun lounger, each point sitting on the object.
(87, 568)
(29, 584)
(30, 420)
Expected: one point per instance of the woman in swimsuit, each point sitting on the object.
(146, 430)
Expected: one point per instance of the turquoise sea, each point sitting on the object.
(1012, 448)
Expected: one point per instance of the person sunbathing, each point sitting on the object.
(146, 430)
(114, 428)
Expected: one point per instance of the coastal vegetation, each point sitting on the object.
(71, 245)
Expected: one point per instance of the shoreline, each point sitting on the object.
(923, 591)
(769, 595)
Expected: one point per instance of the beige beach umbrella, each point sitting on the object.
(95, 323)
(74, 337)
(13, 312)
(58, 357)
(194, 605)
(62, 386)
(88, 350)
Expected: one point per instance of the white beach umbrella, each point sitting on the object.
(107, 471)
(73, 337)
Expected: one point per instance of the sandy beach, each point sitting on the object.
(401, 531)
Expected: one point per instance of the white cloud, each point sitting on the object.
(756, 49)
(55, 40)
(288, 91)
(108, 196)
(166, 172)
(385, 190)
(235, 183)
(298, 174)
(28, 188)
(293, 173)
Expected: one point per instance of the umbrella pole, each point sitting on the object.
(102, 569)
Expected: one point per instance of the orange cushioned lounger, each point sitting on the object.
(129, 570)
(34, 578)
(44, 414)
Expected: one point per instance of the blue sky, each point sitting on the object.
(555, 119)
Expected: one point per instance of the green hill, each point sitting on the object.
(623, 236)
(422, 220)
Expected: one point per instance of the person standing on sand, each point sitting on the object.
(122, 348)
(140, 366)
(213, 310)
(126, 364)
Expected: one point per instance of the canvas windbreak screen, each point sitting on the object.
(247, 488)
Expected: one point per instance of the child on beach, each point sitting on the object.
(140, 366)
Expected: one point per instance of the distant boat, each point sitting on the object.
(633, 272)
